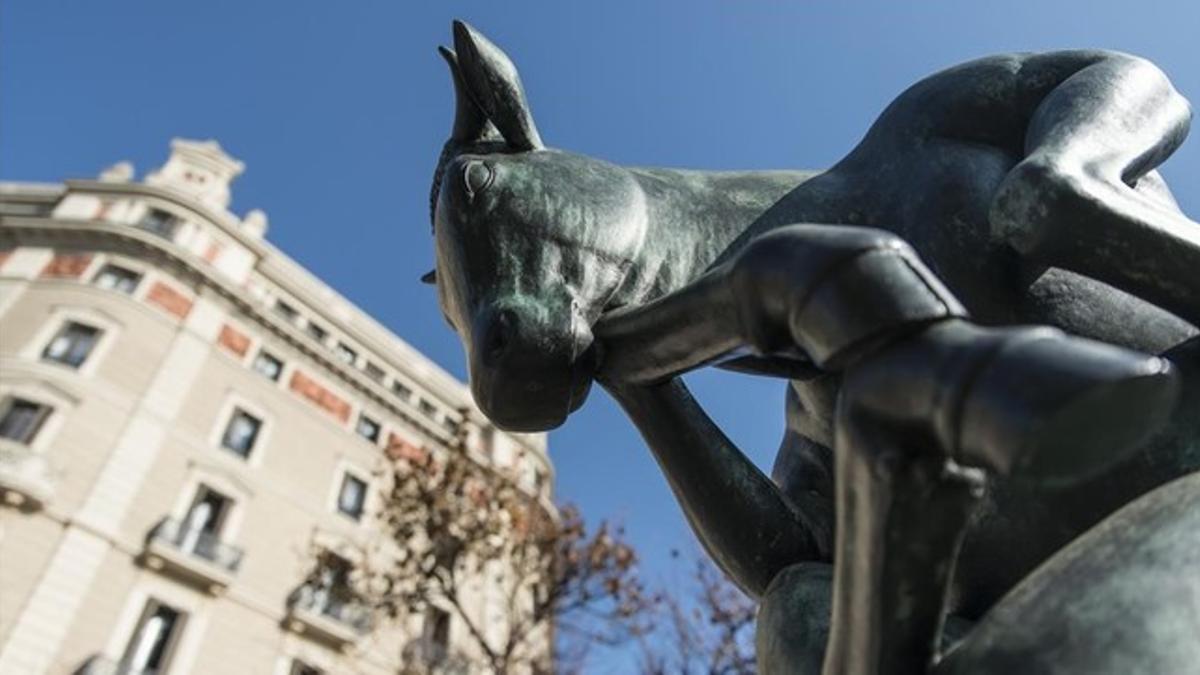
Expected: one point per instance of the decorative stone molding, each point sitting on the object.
(234, 340)
(67, 265)
(169, 300)
(317, 393)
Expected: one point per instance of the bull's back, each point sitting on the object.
(1022, 524)
(937, 197)
(1124, 598)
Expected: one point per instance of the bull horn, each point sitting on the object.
(470, 124)
(492, 80)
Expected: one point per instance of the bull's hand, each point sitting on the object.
(800, 296)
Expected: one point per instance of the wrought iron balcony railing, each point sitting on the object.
(326, 614)
(102, 665)
(25, 478)
(199, 555)
(205, 545)
(328, 603)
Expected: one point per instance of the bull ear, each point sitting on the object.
(492, 80)
(470, 124)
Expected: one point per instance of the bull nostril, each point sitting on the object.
(499, 336)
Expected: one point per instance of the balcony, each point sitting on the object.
(25, 479)
(102, 665)
(194, 555)
(435, 657)
(317, 612)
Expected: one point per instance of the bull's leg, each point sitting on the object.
(793, 621)
(745, 523)
(920, 424)
(1122, 598)
(1072, 202)
(925, 393)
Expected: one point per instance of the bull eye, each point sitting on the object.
(477, 176)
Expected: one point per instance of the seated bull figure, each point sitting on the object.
(987, 313)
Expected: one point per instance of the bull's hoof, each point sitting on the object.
(1057, 409)
(1031, 403)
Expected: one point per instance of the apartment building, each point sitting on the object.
(185, 414)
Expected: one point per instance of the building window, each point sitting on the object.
(267, 366)
(22, 419)
(367, 428)
(72, 344)
(117, 278)
(241, 432)
(401, 390)
(35, 209)
(345, 354)
(373, 371)
(328, 591)
(315, 331)
(301, 668)
(160, 222)
(201, 531)
(427, 409)
(352, 496)
(150, 649)
(286, 311)
(436, 634)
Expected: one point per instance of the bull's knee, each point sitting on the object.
(793, 620)
(1036, 201)
(832, 290)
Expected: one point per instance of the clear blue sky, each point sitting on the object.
(340, 108)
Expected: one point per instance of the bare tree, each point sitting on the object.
(708, 627)
(460, 530)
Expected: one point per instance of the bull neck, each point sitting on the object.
(693, 218)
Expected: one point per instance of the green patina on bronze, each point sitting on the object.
(1004, 499)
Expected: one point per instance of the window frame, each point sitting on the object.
(38, 427)
(428, 409)
(168, 228)
(374, 371)
(378, 426)
(69, 358)
(285, 310)
(316, 331)
(224, 518)
(62, 401)
(299, 666)
(109, 327)
(237, 414)
(138, 277)
(440, 632)
(401, 390)
(347, 478)
(346, 468)
(233, 401)
(264, 353)
(171, 649)
(345, 353)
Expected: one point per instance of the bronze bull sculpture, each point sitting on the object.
(957, 491)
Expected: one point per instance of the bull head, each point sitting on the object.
(531, 244)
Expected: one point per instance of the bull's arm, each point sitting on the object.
(1089, 127)
(816, 294)
(742, 519)
(804, 285)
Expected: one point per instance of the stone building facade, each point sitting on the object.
(185, 413)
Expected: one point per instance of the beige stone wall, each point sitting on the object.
(26, 544)
(285, 492)
(136, 429)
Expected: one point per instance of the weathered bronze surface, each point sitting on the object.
(957, 490)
